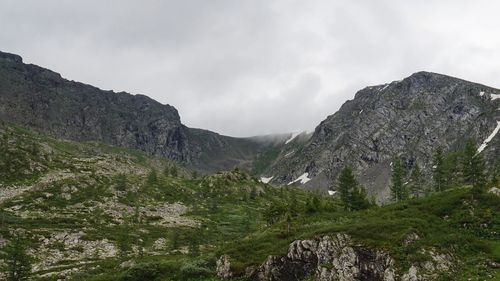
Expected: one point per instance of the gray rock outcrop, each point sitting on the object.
(408, 119)
(39, 98)
(336, 258)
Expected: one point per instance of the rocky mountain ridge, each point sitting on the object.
(41, 99)
(408, 119)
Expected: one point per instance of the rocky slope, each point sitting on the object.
(330, 258)
(81, 207)
(408, 119)
(41, 99)
(89, 211)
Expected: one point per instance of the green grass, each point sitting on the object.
(229, 210)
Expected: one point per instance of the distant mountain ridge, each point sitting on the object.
(41, 99)
(408, 119)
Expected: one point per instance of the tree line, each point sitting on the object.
(454, 168)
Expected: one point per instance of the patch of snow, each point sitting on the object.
(361, 111)
(390, 164)
(405, 183)
(481, 93)
(303, 179)
(331, 192)
(385, 87)
(495, 96)
(289, 153)
(266, 180)
(294, 135)
(434, 167)
(489, 138)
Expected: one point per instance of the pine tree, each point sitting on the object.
(416, 181)
(352, 195)
(346, 183)
(358, 198)
(451, 169)
(174, 241)
(467, 159)
(495, 177)
(473, 166)
(288, 219)
(312, 204)
(397, 188)
(477, 173)
(439, 174)
(152, 178)
(17, 264)
(194, 247)
(293, 204)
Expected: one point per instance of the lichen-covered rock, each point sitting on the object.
(410, 238)
(224, 268)
(495, 190)
(335, 258)
(327, 258)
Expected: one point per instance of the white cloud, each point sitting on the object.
(253, 67)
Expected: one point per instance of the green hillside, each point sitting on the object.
(88, 211)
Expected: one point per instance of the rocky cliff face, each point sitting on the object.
(41, 99)
(336, 258)
(406, 119)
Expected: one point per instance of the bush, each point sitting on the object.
(148, 271)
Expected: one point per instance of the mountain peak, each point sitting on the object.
(10, 57)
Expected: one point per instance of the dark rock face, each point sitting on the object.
(41, 99)
(407, 119)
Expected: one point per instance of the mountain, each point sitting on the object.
(41, 99)
(408, 119)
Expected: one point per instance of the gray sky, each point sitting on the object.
(248, 67)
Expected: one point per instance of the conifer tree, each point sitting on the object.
(358, 198)
(495, 177)
(352, 195)
(346, 183)
(152, 178)
(439, 174)
(473, 170)
(397, 188)
(194, 248)
(451, 169)
(416, 178)
(17, 263)
(293, 205)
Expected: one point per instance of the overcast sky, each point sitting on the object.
(249, 67)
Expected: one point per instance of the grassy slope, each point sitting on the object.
(228, 208)
(448, 222)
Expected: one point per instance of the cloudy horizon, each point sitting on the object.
(245, 68)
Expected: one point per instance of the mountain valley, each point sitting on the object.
(401, 184)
